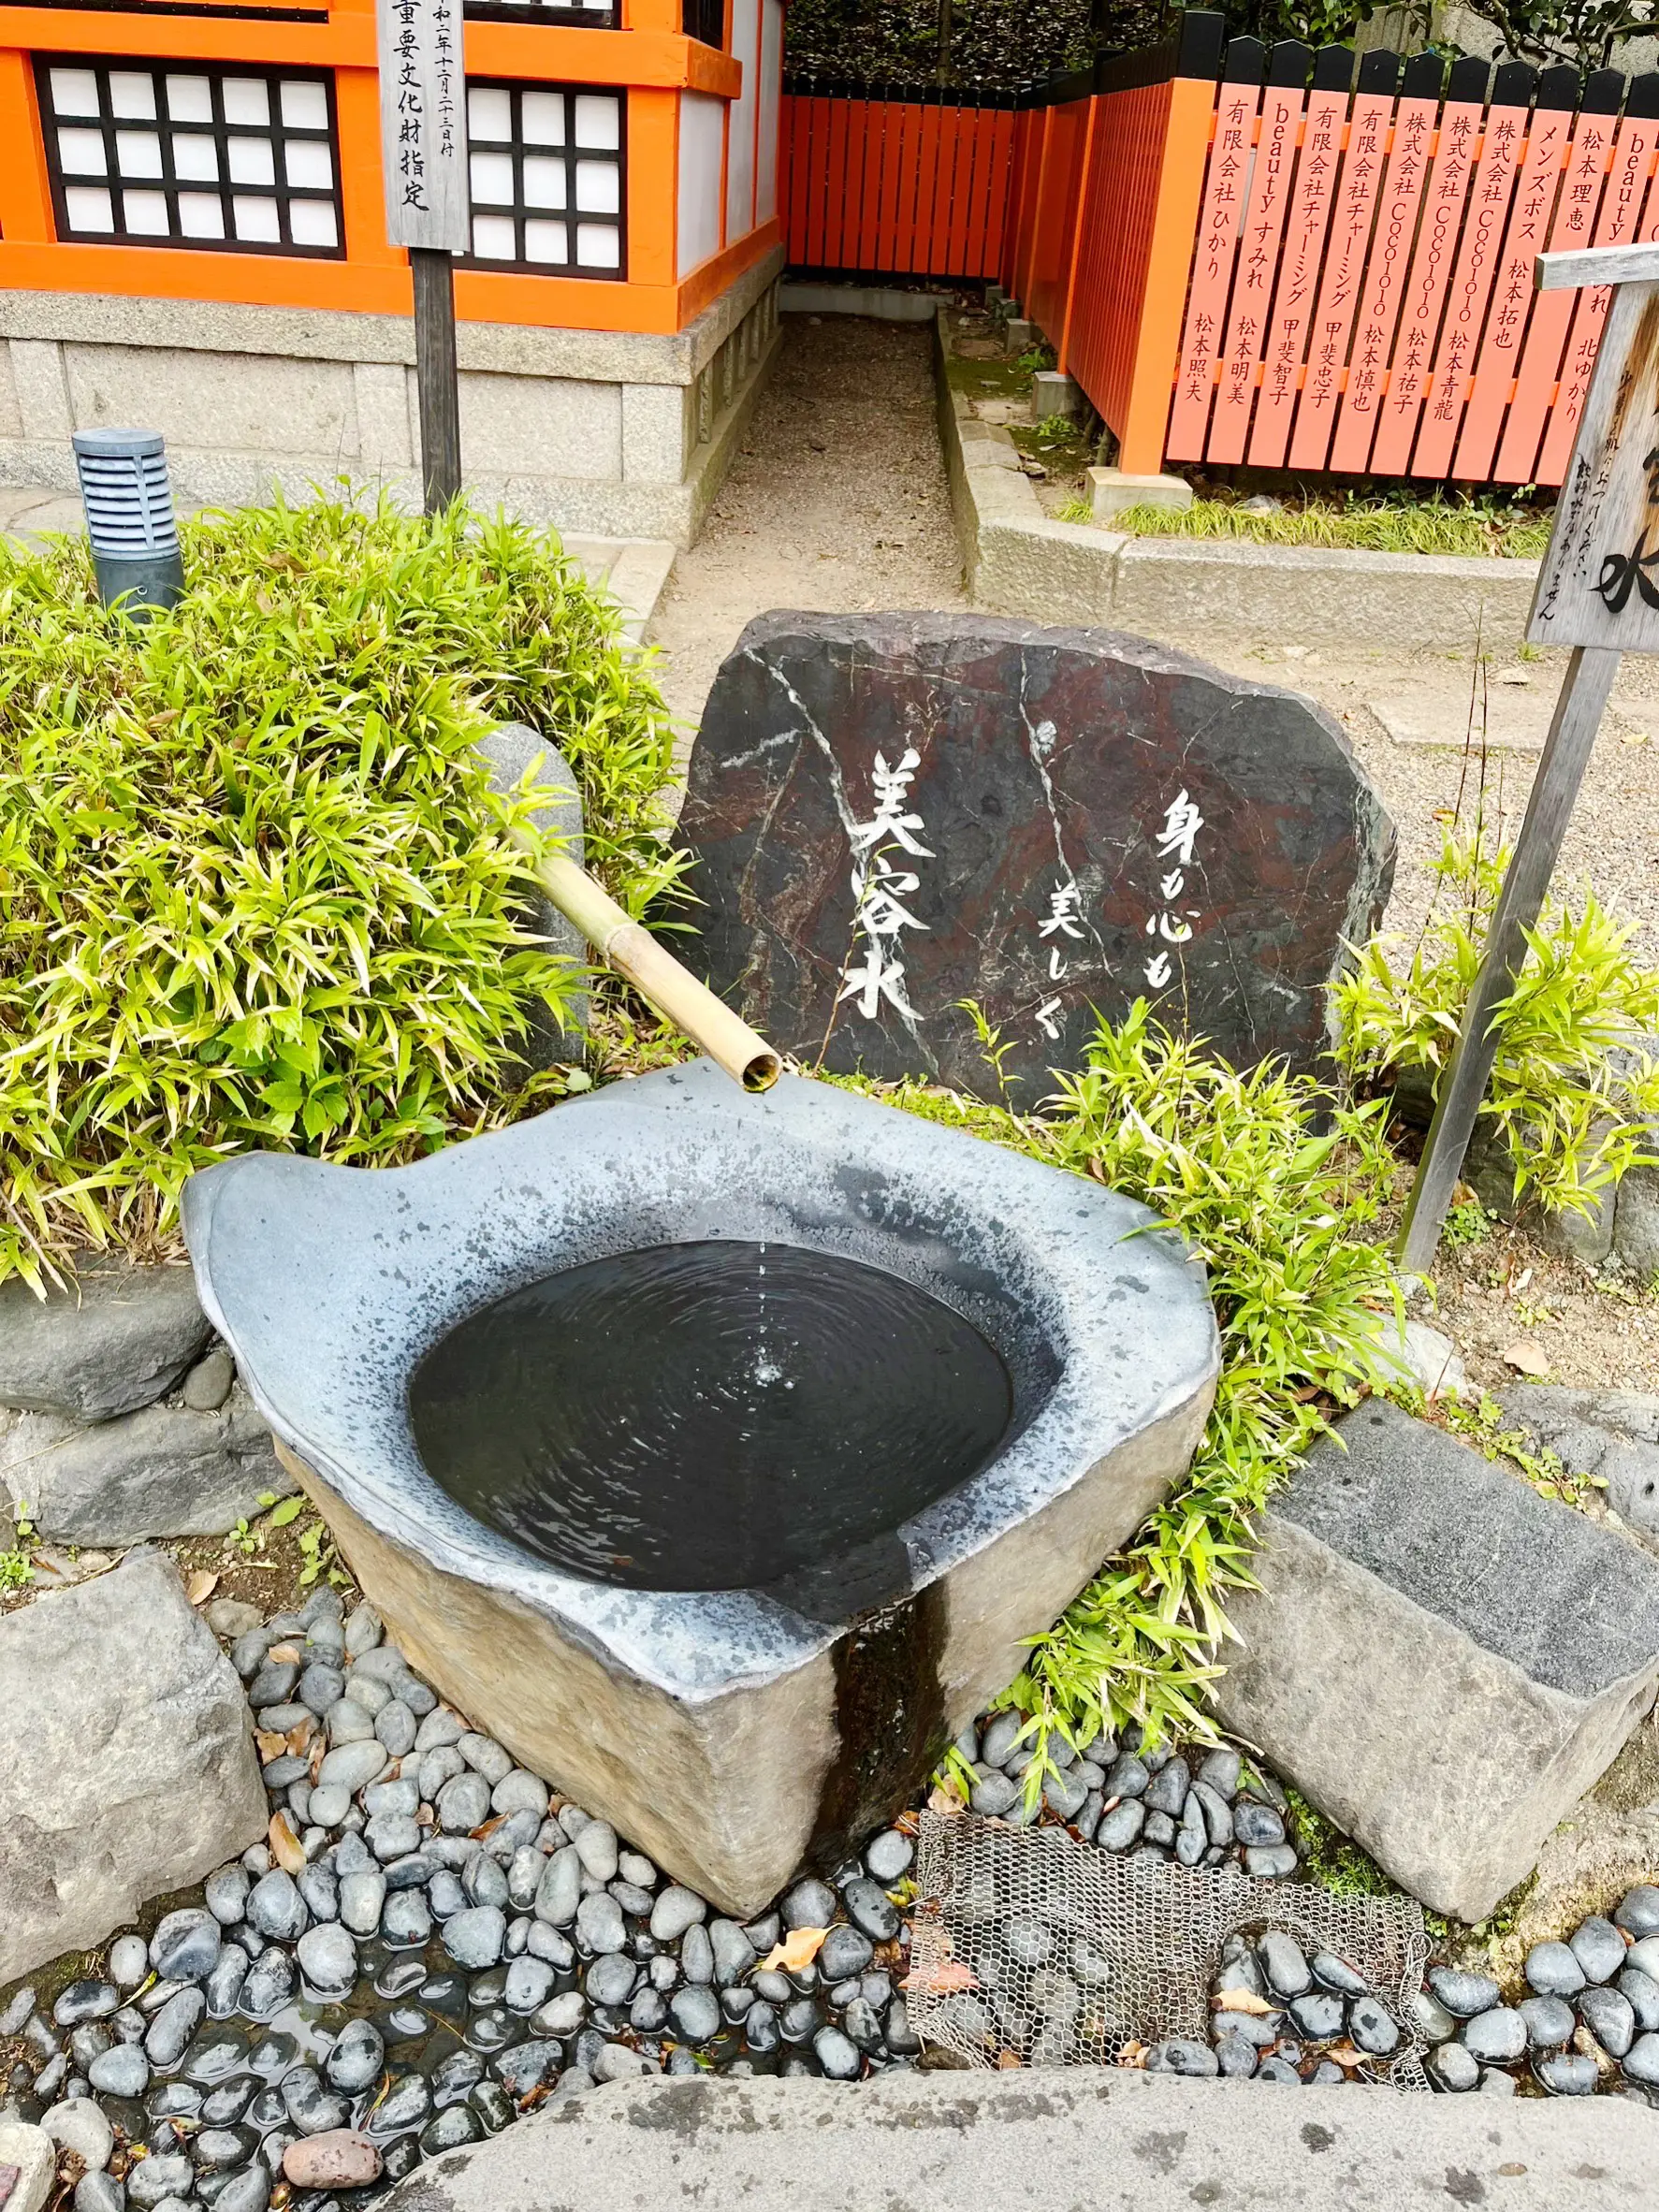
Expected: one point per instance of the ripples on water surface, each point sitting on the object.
(708, 1416)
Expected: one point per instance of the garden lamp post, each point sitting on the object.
(1598, 593)
(130, 523)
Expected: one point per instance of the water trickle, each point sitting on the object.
(710, 1416)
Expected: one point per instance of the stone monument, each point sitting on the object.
(898, 818)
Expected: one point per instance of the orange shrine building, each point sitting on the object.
(192, 238)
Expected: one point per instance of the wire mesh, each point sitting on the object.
(1029, 1947)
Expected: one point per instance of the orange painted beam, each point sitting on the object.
(544, 53)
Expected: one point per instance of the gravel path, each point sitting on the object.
(836, 500)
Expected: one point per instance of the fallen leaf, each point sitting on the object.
(301, 1734)
(1007, 2061)
(272, 1744)
(201, 1586)
(945, 1801)
(285, 1844)
(940, 1980)
(285, 1652)
(1526, 1359)
(1133, 2054)
(799, 1948)
(1242, 2000)
(1345, 2055)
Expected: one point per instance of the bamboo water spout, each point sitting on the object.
(653, 970)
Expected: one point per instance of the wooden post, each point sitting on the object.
(423, 112)
(1599, 592)
(436, 383)
(1555, 788)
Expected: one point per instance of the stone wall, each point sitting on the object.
(613, 434)
(120, 1417)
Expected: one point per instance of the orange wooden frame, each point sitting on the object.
(648, 57)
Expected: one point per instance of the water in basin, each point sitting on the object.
(709, 1416)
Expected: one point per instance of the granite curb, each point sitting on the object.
(1071, 2140)
(1021, 562)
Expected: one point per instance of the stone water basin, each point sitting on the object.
(716, 1452)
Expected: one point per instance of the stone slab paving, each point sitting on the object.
(1077, 2140)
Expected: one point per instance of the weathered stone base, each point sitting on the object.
(131, 1768)
(1440, 1659)
(617, 434)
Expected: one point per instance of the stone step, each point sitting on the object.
(1047, 2141)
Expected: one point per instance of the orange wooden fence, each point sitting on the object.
(1246, 256)
(880, 186)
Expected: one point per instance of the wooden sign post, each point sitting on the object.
(423, 129)
(1599, 592)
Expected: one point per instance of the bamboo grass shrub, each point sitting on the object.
(1275, 1186)
(1571, 1092)
(253, 887)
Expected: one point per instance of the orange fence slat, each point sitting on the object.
(1309, 217)
(1399, 202)
(1221, 214)
(1282, 111)
(1339, 287)
(1573, 225)
(1471, 287)
(1424, 302)
(1498, 362)
(1616, 225)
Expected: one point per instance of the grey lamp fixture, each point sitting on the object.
(128, 500)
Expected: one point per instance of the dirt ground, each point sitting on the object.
(836, 500)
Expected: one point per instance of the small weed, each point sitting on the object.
(1336, 1864)
(318, 1554)
(1075, 509)
(15, 1570)
(1532, 1316)
(1468, 1223)
(1490, 1429)
(1035, 356)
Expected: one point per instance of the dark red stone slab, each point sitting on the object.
(894, 813)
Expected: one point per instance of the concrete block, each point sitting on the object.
(42, 396)
(139, 1775)
(653, 434)
(263, 404)
(1313, 593)
(1055, 393)
(1020, 334)
(1613, 1433)
(1039, 2141)
(1111, 491)
(1440, 1659)
(385, 432)
(542, 426)
(882, 303)
(11, 410)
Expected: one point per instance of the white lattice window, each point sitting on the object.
(548, 178)
(238, 160)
